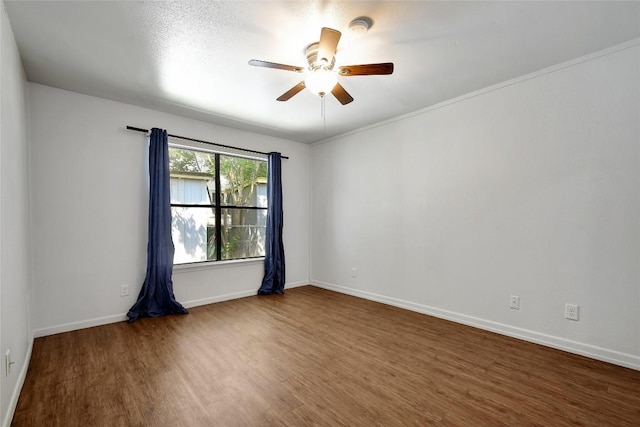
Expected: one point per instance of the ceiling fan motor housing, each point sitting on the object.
(316, 63)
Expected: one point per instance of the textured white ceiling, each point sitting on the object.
(190, 57)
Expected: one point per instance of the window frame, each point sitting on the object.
(217, 208)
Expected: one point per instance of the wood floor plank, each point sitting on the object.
(314, 358)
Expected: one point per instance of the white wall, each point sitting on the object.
(89, 193)
(15, 279)
(530, 188)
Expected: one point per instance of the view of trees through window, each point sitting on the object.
(218, 206)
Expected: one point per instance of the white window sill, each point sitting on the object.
(212, 265)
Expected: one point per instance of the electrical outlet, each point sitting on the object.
(7, 363)
(571, 311)
(514, 302)
(354, 272)
(124, 290)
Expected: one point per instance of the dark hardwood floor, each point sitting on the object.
(314, 357)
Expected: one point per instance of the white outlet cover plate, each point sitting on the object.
(572, 311)
(515, 302)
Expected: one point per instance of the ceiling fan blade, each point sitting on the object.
(341, 94)
(366, 69)
(294, 90)
(267, 64)
(328, 44)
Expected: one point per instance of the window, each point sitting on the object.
(218, 206)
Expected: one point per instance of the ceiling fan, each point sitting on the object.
(321, 77)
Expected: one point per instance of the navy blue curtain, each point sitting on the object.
(156, 296)
(274, 272)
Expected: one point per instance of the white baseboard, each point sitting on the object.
(219, 298)
(89, 323)
(13, 403)
(296, 284)
(81, 324)
(235, 295)
(587, 350)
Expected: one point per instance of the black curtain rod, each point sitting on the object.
(205, 142)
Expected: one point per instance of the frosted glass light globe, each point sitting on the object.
(321, 81)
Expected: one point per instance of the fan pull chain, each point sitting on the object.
(323, 115)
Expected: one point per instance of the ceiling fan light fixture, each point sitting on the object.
(321, 77)
(321, 81)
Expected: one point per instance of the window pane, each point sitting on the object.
(192, 176)
(193, 233)
(243, 182)
(243, 233)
